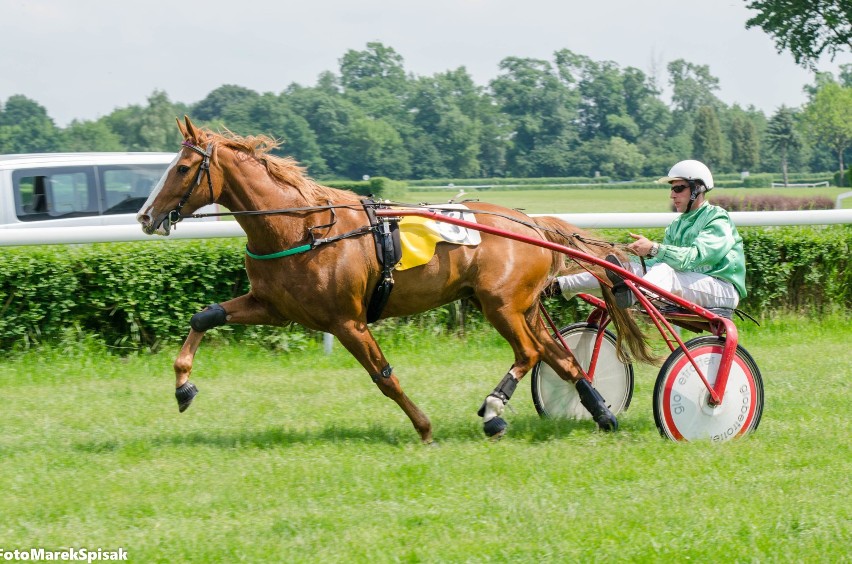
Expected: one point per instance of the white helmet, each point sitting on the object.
(690, 170)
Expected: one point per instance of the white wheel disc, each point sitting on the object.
(681, 400)
(554, 397)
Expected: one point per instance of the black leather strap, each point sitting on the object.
(388, 251)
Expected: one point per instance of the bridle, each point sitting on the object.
(174, 215)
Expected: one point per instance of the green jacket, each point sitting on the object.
(705, 240)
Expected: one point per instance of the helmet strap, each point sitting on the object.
(694, 190)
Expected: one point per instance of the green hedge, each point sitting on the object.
(141, 294)
(536, 186)
(727, 180)
(847, 178)
(432, 183)
(378, 186)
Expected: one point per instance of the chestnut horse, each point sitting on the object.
(328, 287)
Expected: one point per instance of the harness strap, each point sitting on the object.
(388, 252)
(310, 246)
(279, 254)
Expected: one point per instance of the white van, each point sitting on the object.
(70, 189)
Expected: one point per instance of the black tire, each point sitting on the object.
(681, 408)
(554, 397)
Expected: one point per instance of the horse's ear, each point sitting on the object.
(182, 128)
(190, 130)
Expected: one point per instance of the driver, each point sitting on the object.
(701, 255)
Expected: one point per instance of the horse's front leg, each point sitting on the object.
(515, 328)
(245, 310)
(356, 337)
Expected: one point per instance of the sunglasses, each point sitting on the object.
(679, 188)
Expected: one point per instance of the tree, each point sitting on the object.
(214, 105)
(448, 110)
(375, 148)
(541, 109)
(692, 86)
(150, 128)
(807, 28)
(375, 81)
(25, 127)
(845, 73)
(625, 158)
(271, 115)
(707, 138)
(329, 116)
(644, 105)
(377, 66)
(602, 109)
(782, 136)
(745, 149)
(90, 136)
(827, 119)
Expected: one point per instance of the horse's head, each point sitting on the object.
(185, 186)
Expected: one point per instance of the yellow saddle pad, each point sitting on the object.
(419, 235)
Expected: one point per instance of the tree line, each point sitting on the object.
(568, 116)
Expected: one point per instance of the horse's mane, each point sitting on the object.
(285, 170)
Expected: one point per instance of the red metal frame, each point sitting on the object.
(718, 325)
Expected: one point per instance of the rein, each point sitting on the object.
(175, 216)
(363, 230)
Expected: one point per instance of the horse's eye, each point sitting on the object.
(183, 169)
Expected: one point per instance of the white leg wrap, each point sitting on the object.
(494, 407)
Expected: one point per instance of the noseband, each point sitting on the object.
(174, 215)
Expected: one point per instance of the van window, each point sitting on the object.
(51, 194)
(125, 188)
(67, 192)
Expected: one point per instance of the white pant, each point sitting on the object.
(700, 289)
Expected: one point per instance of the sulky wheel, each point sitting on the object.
(554, 397)
(682, 411)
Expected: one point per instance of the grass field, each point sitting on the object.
(614, 200)
(298, 458)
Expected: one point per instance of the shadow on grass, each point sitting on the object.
(530, 429)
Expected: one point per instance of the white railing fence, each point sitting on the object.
(214, 229)
(842, 197)
(801, 185)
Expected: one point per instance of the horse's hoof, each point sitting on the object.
(185, 394)
(594, 403)
(607, 422)
(495, 428)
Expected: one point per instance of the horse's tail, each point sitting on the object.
(562, 233)
(627, 331)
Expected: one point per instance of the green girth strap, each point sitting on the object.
(279, 254)
(308, 246)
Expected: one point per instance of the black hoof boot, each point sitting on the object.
(606, 421)
(185, 394)
(593, 401)
(495, 428)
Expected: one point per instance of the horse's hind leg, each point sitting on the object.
(244, 310)
(566, 366)
(356, 337)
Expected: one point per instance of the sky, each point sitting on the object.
(82, 59)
